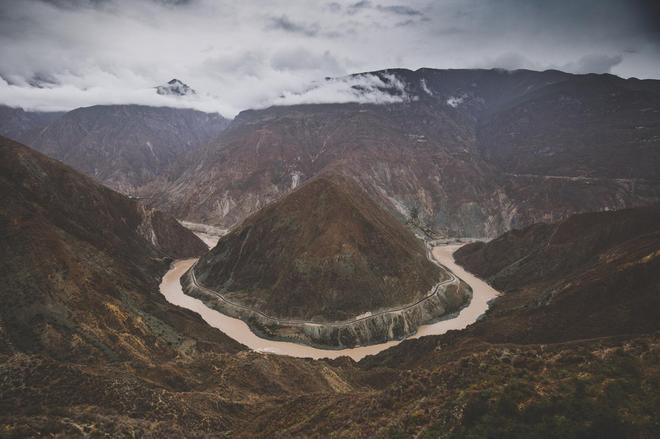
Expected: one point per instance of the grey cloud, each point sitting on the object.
(286, 24)
(302, 59)
(361, 4)
(399, 9)
(394, 9)
(333, 7)
(246, 54)
(511, 61)
(594, 63)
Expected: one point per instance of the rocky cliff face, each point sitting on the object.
(168, 235)
(125, 146)
(461, 155)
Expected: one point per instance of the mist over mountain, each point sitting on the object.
(175, 87)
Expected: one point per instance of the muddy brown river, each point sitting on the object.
(170, 287)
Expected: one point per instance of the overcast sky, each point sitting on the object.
(62, 54)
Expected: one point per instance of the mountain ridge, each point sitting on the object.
(438, 160)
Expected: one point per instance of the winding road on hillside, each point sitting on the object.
(436, 288)
(483, 293)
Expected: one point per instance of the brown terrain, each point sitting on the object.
(592, 275)
(326, 252)
(122, 146)
(468, 152)
(77, 257)
(20, 125)
(88, 347)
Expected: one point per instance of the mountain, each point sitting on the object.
(327, 253)
(591, 275)
(125, 146)
(175, 87)
(463, 153)
(21, 125)
(85, 333)
(588, 127)
(76, 258)
(88, 343)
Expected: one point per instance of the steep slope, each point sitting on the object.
(591, 275)
(324, 251)
(77, 259)
(407, 156)
(21, 125)
(462, 154)
(327, 253)
(588, 126)
(126, 146)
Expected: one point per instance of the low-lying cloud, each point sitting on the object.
(363, 89)
(62, 54)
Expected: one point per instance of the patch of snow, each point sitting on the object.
(417, 137)
(455, 101)
(151, 148)
(225, 204)
(422, 82)
(175, 88)
(295, 179)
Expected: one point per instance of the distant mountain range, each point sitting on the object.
(469, 152)
(122, 146)
(465, 152)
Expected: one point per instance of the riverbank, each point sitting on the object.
(482, 293)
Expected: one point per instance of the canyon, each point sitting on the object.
(112, 321)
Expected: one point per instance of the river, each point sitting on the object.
(170, 287)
